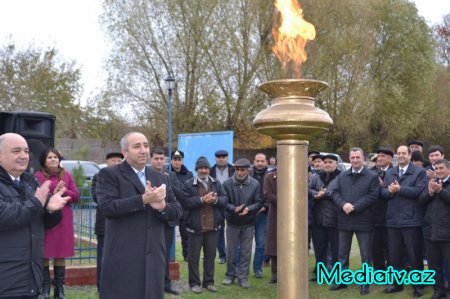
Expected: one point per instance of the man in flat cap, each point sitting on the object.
(244, 202)
(324, 231)
(417, 146)
(183, 174)
(317, 161)
(221, 171)
(380, 235)
(112, 158)
(311, 154)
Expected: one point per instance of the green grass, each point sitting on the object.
(260, 287)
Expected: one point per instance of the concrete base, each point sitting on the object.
(87, 275)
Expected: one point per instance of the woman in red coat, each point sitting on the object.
(59, 240)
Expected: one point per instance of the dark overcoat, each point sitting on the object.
(361, 190)
(437, 217)
(21, 236)
(134, 253)
(403, 208)
(270, 197)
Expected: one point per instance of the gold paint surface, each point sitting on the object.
(291, 120)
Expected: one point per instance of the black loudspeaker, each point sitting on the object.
(37, 128)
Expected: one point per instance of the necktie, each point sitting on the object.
(141, 175)
(17, 182)
(400, 172)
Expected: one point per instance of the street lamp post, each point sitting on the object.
(170, 85)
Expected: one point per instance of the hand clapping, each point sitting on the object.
(155, 196)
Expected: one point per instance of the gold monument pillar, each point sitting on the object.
(290, 120)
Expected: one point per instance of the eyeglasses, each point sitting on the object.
(221, 157)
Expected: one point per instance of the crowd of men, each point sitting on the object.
(400, 216)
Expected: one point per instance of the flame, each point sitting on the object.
(292, 34)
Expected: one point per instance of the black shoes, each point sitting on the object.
(222, 261)
(393, 289)
(364, 289)
(335, 287)
(171, 290)
(438, 294)
(418, 291)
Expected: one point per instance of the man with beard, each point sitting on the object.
(259, 172)
(436, 198)
(401, 189)
(137, 203)
(323, 230)
(157, 161)
(221, 171)
(204, 202)
(183, 174)
(244, 202)
(380, 234)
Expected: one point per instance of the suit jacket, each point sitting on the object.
(134, 252)
(404, 209)
(361, 190)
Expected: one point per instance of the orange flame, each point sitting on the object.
(292, 34)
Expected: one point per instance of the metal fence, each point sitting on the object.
(83, 222)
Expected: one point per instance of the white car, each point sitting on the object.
(90, 168)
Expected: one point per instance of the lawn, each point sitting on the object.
(260, 287)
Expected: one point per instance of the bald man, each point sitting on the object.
(24, 209)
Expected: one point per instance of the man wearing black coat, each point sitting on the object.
(99, 229)
(221, 171)
(244, 202)
(324, 232)
(436, 198)
(355, 191)
(24, 210)
(380, 247)
(157, 161)
(183, 174)
(204, 202)
(137, 202)
(402, 187)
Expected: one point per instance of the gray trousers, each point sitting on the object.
(242, 237)
(345, 245)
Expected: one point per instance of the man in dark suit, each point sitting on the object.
(157, 161)
(137, 204)
(380, 235)
(437, 226)
(354, 192)
(221, 171)
(111, 160)
(325, 235)
(435, 153)
(402, 187)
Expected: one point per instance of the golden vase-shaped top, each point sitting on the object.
(292, 114)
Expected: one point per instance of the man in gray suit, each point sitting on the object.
(137, 205)
(354, 192)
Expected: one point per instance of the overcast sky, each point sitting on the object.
(72, 27)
